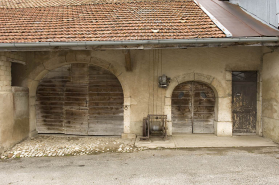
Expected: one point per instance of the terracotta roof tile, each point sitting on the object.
(86, 20)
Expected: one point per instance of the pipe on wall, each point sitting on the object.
(141, 42)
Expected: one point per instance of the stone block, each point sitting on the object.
(228, 75)
(70, 57)
(172, 85)
(218, 87)
(6, 83)
(203, 78)
(128, 136)
(37, 71)
(225, 109)
(3, 68)
(271, 129)
(54, 63)
(185, 78)
(167, 101)
(228, 87)
(167, 111)
(8, 64)
(83, 56)
(7, 73)
(6, 119)
(3, 58)
(32, 117)
(8, 77)
(6, 88)
(224, 129)
(99, 62)
(169, 128)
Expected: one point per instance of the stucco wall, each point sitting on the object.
(141, 93)
(14, 109)
(271, 94)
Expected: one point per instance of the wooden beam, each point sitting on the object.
(128, 62)
(16, 61)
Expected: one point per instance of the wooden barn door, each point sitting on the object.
(244, 101)
(76, 101)
(193, 108)
(80, 99)
(105, 103)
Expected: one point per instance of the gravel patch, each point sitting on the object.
(51, 146)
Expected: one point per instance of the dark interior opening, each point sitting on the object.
(17, 74)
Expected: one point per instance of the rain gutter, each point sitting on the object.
(140, 42)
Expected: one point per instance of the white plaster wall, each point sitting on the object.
(142, 95)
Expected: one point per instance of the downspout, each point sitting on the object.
(142, 42)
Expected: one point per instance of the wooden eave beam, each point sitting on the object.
(128, 61)
(16, 61)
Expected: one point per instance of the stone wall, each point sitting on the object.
(6, 105)
(5, 74)
(142, 96)
(270, 114)
(14, 109)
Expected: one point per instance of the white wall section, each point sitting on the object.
(265, 10)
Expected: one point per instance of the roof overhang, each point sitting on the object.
(237, 21)
(142, 44)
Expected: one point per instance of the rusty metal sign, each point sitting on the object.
(193, 108)
(244, 101)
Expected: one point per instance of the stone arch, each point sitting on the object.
(57, 60)
(189, 119)
(199, 77)
(215, 84)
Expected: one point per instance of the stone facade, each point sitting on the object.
(5, 74)
(142, 96)
(14, 112)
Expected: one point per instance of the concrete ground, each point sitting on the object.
(65, 145)
(204, 140)
(251, 165)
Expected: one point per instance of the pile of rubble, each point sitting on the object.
(69, 146)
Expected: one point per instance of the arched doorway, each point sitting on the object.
(80, 99)
(193, 108)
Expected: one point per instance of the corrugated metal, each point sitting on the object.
(273, 19)
(80, 99)
(264, 10)
(237, 21)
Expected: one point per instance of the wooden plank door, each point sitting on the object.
(244, 102)
(105, 103)
(76, 101)
(182, 108)
(80, 99)
(50, 101)
(193, 105)
(203, 108)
